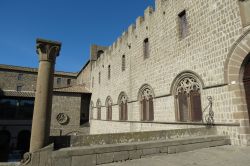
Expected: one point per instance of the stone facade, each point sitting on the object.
(83, 77)
(69, 104)
(214, 30)
(13, 76)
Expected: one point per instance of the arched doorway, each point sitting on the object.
(23, 141)
(4, 145)
(236, 76)
(246, 82)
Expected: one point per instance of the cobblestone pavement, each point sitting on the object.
(216, 156)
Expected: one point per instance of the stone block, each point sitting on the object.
(190, 147)
(104, 158)
(244, 122)
(121, 156)
(135, 154)
(244, 130)
(66, 161)
(35, 158)
(240, 115)
(88, 160)
(150, 151)
(164, 149)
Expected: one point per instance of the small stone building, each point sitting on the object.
(70, 108)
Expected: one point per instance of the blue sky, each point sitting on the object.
(75, 23)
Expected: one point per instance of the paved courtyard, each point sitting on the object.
(217, 156)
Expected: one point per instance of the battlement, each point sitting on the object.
(127, 35)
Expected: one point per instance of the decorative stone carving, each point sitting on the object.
(123, 99)
(146, 92)
(62, 118)
(98, 103)
(186, 85)
(109, 101)
(26, 159)
(47, 50)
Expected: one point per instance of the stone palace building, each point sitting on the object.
(184, 64)
(160, 73)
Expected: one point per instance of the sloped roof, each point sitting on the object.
(13, 93)
(33, 70)
(73, 89)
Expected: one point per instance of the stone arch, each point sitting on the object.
(122, 96)
(108, 104)
(237, 59)
(186, 89)
(108, 101)
(145, 97)
(98, 103)
(143, 88)
(123, 106)
(183, 74)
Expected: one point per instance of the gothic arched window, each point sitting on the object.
(109, 108)
(91, 107)
(188, 100)
(145, 96)
(99, 109)
(123, 106)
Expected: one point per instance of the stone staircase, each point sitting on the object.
(90, 150)
(101, 154)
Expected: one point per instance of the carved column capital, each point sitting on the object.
(47, 50)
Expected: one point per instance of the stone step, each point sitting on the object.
(101, 154)
(117, 138)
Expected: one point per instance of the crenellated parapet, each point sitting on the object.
(125, 38)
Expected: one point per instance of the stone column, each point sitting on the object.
(47, 51)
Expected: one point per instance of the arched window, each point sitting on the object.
(99, 77)
(99, 109)
(123, 63)
(123, 106)
(91, 108)
(145, 97)
(146, 48)
(109, 72)
(188, 99)
(99, 53)
(109, 108)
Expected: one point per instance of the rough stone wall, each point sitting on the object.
(9, 80)
(68, 104)
(84, 76)
(64, 81)
(213, 27)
